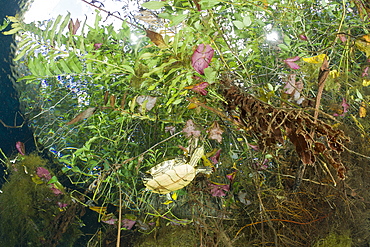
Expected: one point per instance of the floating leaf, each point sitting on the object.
(291, 62)
(202, 57)
(156, 38)
(316, 59)
(85, 114)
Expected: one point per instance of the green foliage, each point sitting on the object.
(28, 207)
(335, 240)
(102, 67)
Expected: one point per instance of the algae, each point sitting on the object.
(29, 209)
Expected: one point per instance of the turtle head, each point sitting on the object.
(196, 156)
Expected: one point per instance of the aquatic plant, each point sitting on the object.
(107, 107)
(30, 210)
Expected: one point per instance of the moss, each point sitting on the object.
(335, 240)
(27, 209)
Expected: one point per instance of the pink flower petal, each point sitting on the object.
(291, 62)
(201, 58)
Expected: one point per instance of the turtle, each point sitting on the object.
(174, 174)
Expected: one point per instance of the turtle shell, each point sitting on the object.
(173, 174)
(170, 180)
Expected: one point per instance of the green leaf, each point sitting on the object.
(239, 24)
(247, 21)
(54, 179)
(210, 74)
(284, 47)
(153, 5)
(22, 52)
(12, 31)
(128, 68)
(178, 19)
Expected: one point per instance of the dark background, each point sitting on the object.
(9, 104)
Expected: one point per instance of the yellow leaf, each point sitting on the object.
(362, 110)
(192, 106)
(334, 73)
(174, 196)
(37, 180)
(167, 202)
(100, 210)
(316, 59)
(206, 161)
(363, 44)
(365, 83)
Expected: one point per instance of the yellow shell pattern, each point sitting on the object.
(173, 174)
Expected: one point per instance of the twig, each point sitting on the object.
(111, 14)
(281, 220)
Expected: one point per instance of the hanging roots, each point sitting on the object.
(271, 124)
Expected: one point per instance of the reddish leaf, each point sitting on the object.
(202, 57)
(199, 88)
(20, 147)
(97, 46)
(42, 172)
(303, 37)
(215, 157)
(291, 62)
(219, 189)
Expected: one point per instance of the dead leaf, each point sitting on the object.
(156, 38)
(112, 101)
(85, 114)
(146, 102)
(106, 95)
(324, 72)
(215, 133)
(73, 27)
(190, 130)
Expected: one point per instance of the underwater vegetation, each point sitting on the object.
(32, 211)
